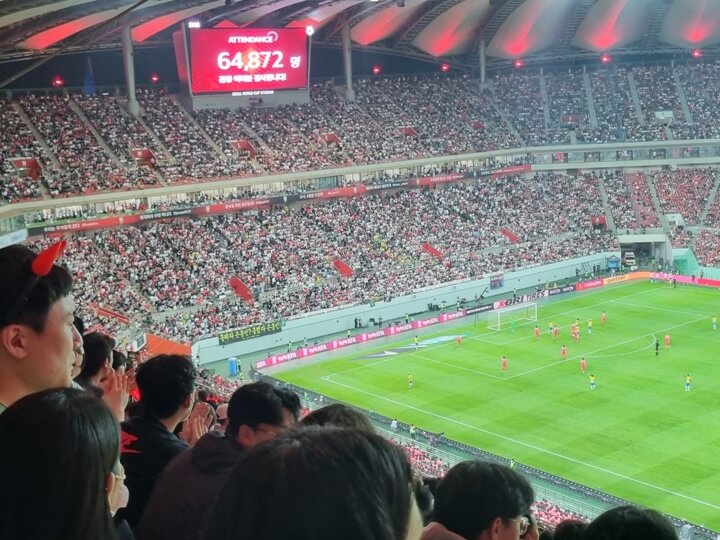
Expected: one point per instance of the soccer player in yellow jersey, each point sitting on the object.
(592, 382)
(590, 326)
(410, 380)
(688, 381)
(714, 322)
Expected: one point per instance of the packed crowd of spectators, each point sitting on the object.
(292, 148)
(424, 462)
(551, 515)
(620, 199)
(712, 219)
(567, 103)
(642, 200)
(182, 268)
(657, 92)
(84, 166)
(616, 115)
(119, 129)
(707, 247)
(393, 118)
(17, 141)
(684, 191)
(701, 83)
(520, 98)
(193, 157)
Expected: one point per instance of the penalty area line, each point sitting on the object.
(602, 349)
(530, 446)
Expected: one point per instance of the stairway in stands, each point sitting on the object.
(91, 128)
(545, 100)
(511, 127)
(606, 206)
(710, 200)
(590, 100)
(683, 98)
(191, 119)
(636, 99)
(656, 204)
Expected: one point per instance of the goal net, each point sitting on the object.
(503, 318)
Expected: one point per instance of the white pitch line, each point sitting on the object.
(389, 357)
(531, 446)
(654, 308)
(600, 350)
(454, 366)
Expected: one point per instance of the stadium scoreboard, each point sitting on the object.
(249, 332)
(247, 61)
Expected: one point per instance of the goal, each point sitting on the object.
(503, 317)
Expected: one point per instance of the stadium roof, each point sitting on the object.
(429, 29)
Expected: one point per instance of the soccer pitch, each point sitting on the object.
(639, 435)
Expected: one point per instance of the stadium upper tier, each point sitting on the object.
(86, 144)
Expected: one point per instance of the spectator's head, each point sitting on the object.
(37, 336)
(59, 461)
(320, 483)
(630, 523)
(222, 417)
(167, 386)
(570, 529)
(120, 362)
(260, 411)
(338, 415)
(477, 497)
(98, 349)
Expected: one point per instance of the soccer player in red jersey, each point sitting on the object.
(556, 332)
(603, 317)
(563, 352)
(583, 364)
(667, 341)
(458, 340)
(504, 363)
(536, 332)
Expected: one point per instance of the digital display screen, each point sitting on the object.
(247, 61)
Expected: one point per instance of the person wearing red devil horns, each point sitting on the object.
(38, 340)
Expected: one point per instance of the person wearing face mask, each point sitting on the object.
(60, 468)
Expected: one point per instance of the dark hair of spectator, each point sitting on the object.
(165, 381)
(259, 403)
(474, 493)
(15, 270)
(424, 499)
(98, 349)
(79, 325)
(544, 534)
(57, 448)
(362, 480)
(338, 415)
(570, 529)
(120, 360)
(630, 523)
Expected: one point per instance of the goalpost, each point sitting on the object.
(503, 317)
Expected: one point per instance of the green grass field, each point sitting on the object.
(639, 435)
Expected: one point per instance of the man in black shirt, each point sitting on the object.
(187, 488)
(148, 444)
